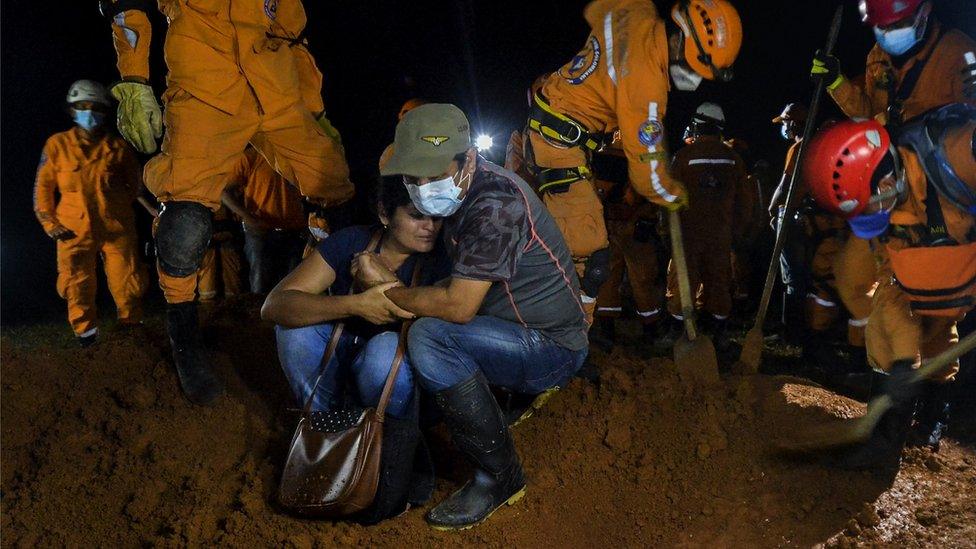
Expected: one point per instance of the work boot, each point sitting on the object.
(794, 322)
(652, 329)
(199, 384)
(478, 429)
(603, 333)
(883, 449)
(673, 330)
(87, 340)
(720, 333)
(931, 417)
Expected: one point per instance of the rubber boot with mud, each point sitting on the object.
(603, 333)
(931, 417)
(479, 430)
(882, 451)
(199, 384)
(671, 332)
(720, 334)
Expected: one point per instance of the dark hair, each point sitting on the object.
(391, 193)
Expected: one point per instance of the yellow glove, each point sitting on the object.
(329, 129)
(679, 203)
(139, 118)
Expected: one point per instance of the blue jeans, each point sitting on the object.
(509, 355)
(366, 361)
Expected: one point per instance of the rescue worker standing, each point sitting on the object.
(87, 182)
(620, 79)
(239, 73)
(715, 178)
(919, 200)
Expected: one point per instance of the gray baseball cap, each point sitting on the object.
(427, 139)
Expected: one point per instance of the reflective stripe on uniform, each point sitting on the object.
(608, 40)
(655, 178)
(820, 301)
(648, 313)
(857, 322)
(609, 309)
(711, 161)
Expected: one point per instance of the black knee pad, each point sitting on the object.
(596, 272)
(182, 237)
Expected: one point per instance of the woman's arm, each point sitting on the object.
(298, 299)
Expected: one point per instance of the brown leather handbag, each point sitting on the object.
(333, 464)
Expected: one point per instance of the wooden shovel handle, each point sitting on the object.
(681, 270)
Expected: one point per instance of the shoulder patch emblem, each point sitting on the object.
(435, 140)
(583, 64)
(271, 9)
(650, 133)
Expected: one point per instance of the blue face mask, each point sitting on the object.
(88, 119)
(436, 198)
(899, 41)
(869, 226)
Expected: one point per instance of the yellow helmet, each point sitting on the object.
(712, 35)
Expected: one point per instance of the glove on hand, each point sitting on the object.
(898, 384)
(969, 77)
(329, 129)
(827, 67)
(140, 120)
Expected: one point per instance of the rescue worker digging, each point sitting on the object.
(87, 182)
(620, 79)
(919, 199)
(715, 178)
(238, 73)
(509, 315)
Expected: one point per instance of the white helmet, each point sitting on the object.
(710, 112)
(88, 90)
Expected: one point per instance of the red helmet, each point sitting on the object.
(839, 162)
(881, 13)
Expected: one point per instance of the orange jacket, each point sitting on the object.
(715, 177)
(266, 195)
(220, 50)
(940, 82)
(620, 80)
(87, 186)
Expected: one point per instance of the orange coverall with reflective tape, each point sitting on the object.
(618, 80)
(221, 266)
(939, 83)
(716, 180)
(894, 331)
(234, 78)
(88, 186)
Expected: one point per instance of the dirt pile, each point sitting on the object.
(99, 448)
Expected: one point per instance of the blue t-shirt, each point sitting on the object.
(339, 249)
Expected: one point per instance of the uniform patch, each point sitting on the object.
(271, 9)
(583, 65)
(435, 140)
(650, 133)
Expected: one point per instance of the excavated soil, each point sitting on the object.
(99, 448)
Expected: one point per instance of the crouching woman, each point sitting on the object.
(324, 290)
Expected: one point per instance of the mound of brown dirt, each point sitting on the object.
(99, 448)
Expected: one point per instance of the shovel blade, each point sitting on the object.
(695, 360)
(751, 354)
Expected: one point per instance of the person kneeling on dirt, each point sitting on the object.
(509, 315)
(308, 303)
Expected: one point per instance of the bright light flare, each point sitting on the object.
(484, 142)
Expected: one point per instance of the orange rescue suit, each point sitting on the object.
(895, 331)
(88, 186)
(266, 195)
(716, 180)
(238, 73)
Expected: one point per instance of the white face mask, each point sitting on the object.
(684, 78)
(899, 41)
(437, 198)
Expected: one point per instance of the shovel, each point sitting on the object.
(694, 354)
(852, 431)
(752, 346)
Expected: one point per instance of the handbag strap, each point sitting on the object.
(418, 270)
(330, 349)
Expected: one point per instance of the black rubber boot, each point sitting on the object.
(198, 382)
(720, 334)
(931, 417)
(603, 333)
(479, 430)
(883, 449)
(794, 318)
(673, 330)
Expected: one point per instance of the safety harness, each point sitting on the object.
(935, 270)
(904, 89)
(563, 132)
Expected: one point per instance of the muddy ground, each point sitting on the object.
(99, 448)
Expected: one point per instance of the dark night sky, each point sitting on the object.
(375, 54)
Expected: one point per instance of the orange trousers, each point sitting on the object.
(638, 260)
(220, 270)
(202, 144)
(78, 280)
(846, 269)
(895, 333)
(709, 275)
